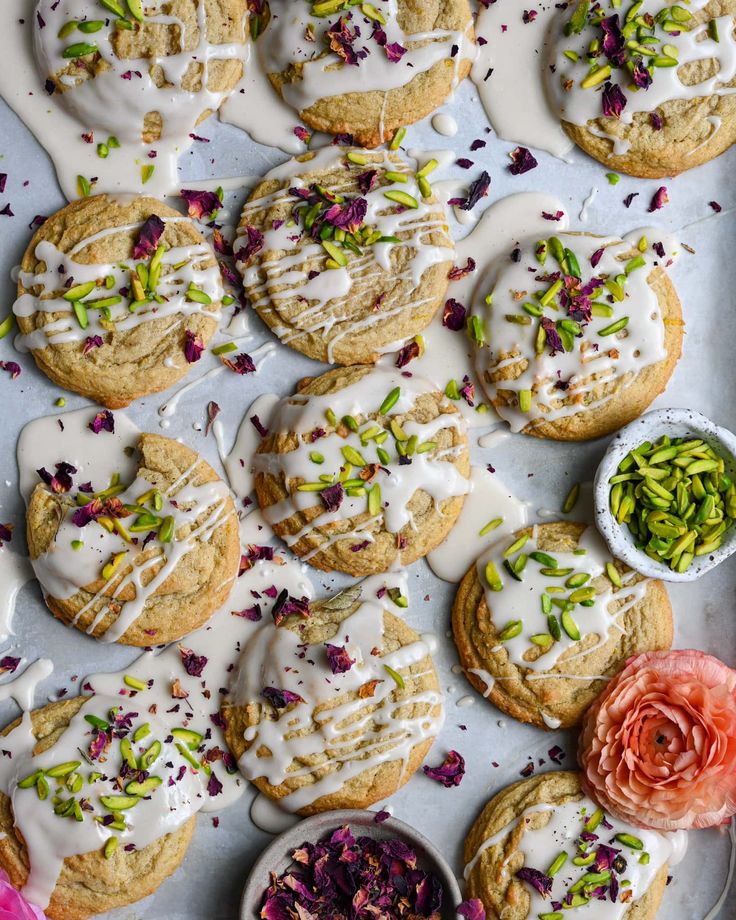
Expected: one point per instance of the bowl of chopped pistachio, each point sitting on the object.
(665, 494)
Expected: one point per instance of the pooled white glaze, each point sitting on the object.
(578, 105)
(509, 76)
(285, 44)
(239, 461)
(276, 657)
(326, 297)
(488, 499)
(182, 267)
(444, 124)
(541, 846)
(267, 815)
(520, 600)
(430, 470)
(22, 688)
(615, 358)
(15, 571)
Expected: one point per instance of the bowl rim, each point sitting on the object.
(617, 538)
(313, 827)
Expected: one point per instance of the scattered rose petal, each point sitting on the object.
(450, 772)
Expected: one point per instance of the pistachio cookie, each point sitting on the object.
(334, 706)
(363, 70)
(117, 296)
(149, 73)
(344, 252)
(577, 334)
(83, 835)
(541, 847)
(363, 470)
(142, 562)
(546, 617)
(647, 90)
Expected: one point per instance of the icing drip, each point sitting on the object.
(181, 268)
(528, 603)
(692, 45)
(542, 845)
(124, 90)
(298, 285)
(595, 366)
(285, 45)
(431, 469)
(48, 835)
(348, 735)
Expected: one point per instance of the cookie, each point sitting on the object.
(577, 335)
(66, 860)
(533, 826)
(334, 706)
(367, 72)
(658, 96)
(540, 627)
(342, 256)
(141, 563)
(146, 75)
(363, 470)
(116, 296)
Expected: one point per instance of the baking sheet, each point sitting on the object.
(215, 868)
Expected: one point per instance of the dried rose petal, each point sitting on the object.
(450, 772)
(8, 664)
(332, 496)
(613, 101)
(103, 421)
(473, 908)
(253, 246)
(148, 238)
(558, 215)
(193, 346)
(338, 658)
(12, 367)
(537, 879)
(6, 534)
(456, 272)
(521, 161)
(301, 132)
(659, 200)
(92, 341)
(200, 203)
(241, 364)
(280, 699)
(193, 664)
(348, 216)
(453, 315)
(407, 353)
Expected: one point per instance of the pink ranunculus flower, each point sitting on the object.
(658, 746)
(13, 906)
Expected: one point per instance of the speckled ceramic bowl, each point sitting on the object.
(675, 423)
(276, 857)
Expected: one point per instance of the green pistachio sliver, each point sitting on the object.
(390, 401)
(6, 325)
(151, 755)
(142, 732)
(557, 863)
(30, 781)
(136, 9)
(618, 326)
(91, 25)
(67, 28)
(577, 580)
(628, 840)
(374, 500)
(147, 172)
(397, 139)
(544, 559)
(134, 683)
(395, 676)
(144, 787)
(335, 253)
(511, 630)
(516, 546)
(111, 844)
(119, 802)
(525, 401)
(63, 769)
(359, 159)
(383, 456)
(582, 595)
(352, 455)
(114, 6)
(546, 602)
(166, 530)
(569, 625)
(554, 627)
(126, 750)
(613, 574)
(424, 187)
(79, 49)
(493, 578)
(402, 198)
(491, 525)
(713, 30)
(571, 499)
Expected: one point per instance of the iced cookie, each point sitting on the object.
(366, 70)
(546, 617)
(334, 706)
(142, 562)
(342, 255)
(144, 71)
(540, 848)
(577, 334)
(117, 296)
(363, 470)
(97, 805)
(647, 88)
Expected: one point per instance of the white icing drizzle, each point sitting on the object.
(15, 571)
(595, 360)
(355, 735)
(267, 815)
(116, 100)
(176, 278)
(488, 499)
(22, 688)
(49, 837)
(63, 570)
(579, 106)
(328, 299)
(509, 76)
(444, 124)
(521, 601)
(540, 847)
(285, 45)
(239, 462)
(431, 470)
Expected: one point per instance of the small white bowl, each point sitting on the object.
(675, 423)
(277, 856)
